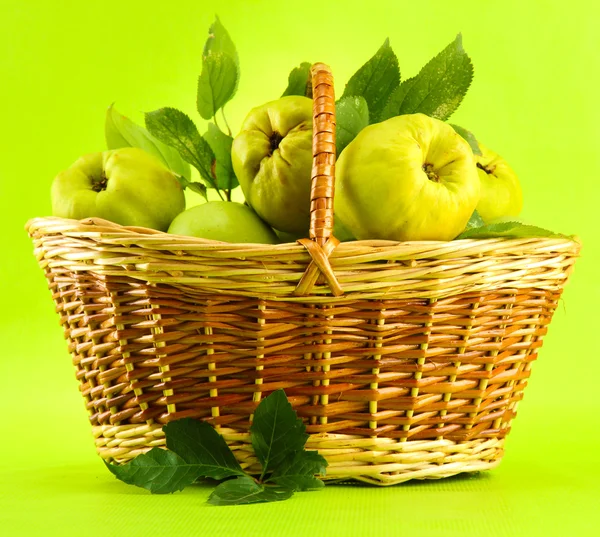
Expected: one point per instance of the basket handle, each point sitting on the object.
(321, 243)
(323, 170)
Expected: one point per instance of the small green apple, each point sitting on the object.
(285, 237)
(272, 158)
(410, 177)
(339, 231)
(501, 195)
(127, 186)
(226, 221)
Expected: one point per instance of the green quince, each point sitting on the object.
(226, 221)
(410, 177)
(127, 186)
(501, 195)
(272, 158)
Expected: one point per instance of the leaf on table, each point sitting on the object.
(299, 81)
(298, 473)
(469, 137)
(159, 471)
(198, 443)
(244, 490)
(195, 449)
(375, 80)
(176, 129)
(120, 132)
(439, 87)
(509, 230)
(352, 116)
(220, 143)
(276, 432)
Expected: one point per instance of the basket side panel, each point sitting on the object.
(452, 368)
(87, 314)
(221, 353)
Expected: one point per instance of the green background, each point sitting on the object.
(534, 100)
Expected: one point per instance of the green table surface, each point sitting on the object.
(547, 485)
(53, 483)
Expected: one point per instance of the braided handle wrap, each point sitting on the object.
(321, 243)
(323, 170)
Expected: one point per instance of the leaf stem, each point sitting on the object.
(225, 120)
(215, 118)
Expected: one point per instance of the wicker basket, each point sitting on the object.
(405, 359)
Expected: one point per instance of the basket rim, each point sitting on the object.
(359, 269)
(99, 227)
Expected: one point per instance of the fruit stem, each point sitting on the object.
(430, 172)
(487, 170)
(100, 185)
(275, 139)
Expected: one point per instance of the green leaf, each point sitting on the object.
(220, 143)
(375, 80)
(159, 471)
(352, 116)
(176, 129)
(219, 42)
(195, 449)
(115, 129)
(276, 432)
(217, 83)
(199, 444)
(510, 230)
(298, 473)
(194, 186)
(439, 87)
(244, 490)
(469, 137)
(299, 81)
(120, 131)
(220, 74)
(475, 221)
(392, 106)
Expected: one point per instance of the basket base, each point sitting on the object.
(378, 461)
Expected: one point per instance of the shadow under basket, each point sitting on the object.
(405, 359)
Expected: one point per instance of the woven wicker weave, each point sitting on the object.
(406, 360)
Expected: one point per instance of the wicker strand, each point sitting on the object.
(377, 461)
